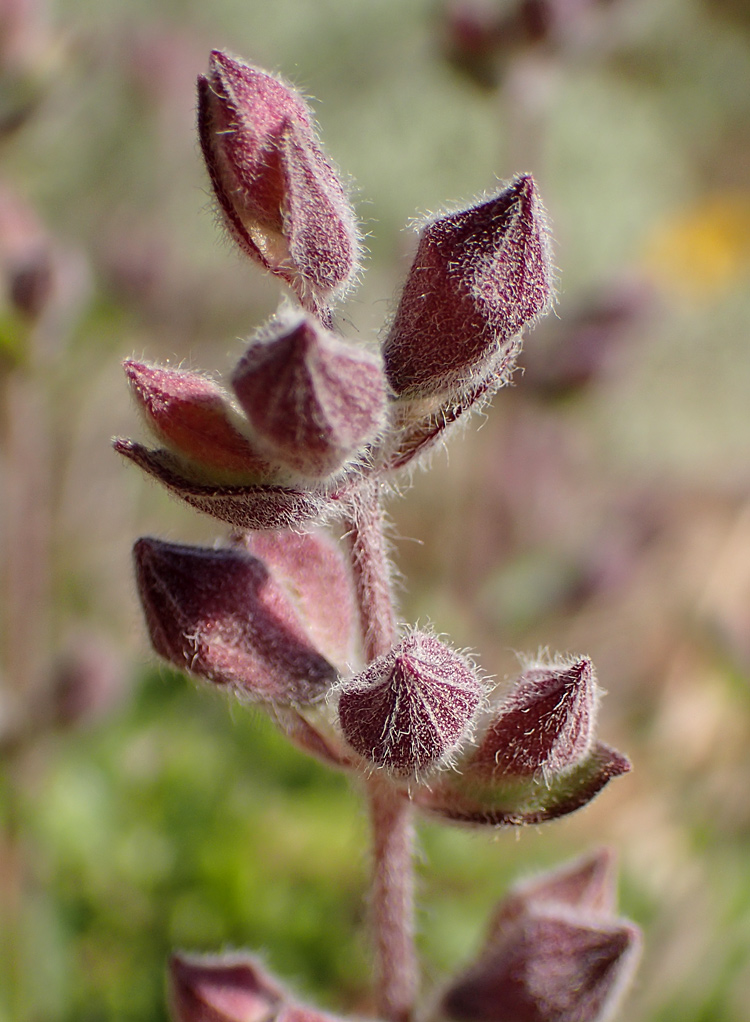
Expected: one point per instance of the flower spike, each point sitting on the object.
(310, 430)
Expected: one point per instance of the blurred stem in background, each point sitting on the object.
(43, 289)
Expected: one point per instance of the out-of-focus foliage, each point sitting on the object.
(609, 516)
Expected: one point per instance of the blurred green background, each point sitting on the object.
(607, 512)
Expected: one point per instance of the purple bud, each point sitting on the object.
(479, 276)
(193, 415)
(229, 988)
(313, 400)
(219, 614)
(549, 964)
(281, 200)
(546, 724)
(411, 710)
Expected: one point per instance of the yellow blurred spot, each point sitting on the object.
(704, 250)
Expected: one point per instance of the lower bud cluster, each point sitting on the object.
(273, 619)
(555, 951)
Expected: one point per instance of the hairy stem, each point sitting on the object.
(392, 901)
(372, 575)
(27, 538)
(392, 904)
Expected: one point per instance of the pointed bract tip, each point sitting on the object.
(546, 725)
(588, 883)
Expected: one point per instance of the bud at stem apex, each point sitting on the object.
(280, 199)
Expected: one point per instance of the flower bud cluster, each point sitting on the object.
(306, 422)
(279, 630)
(308, 413)
(309, 427)
(304, 404)
(555, 952)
